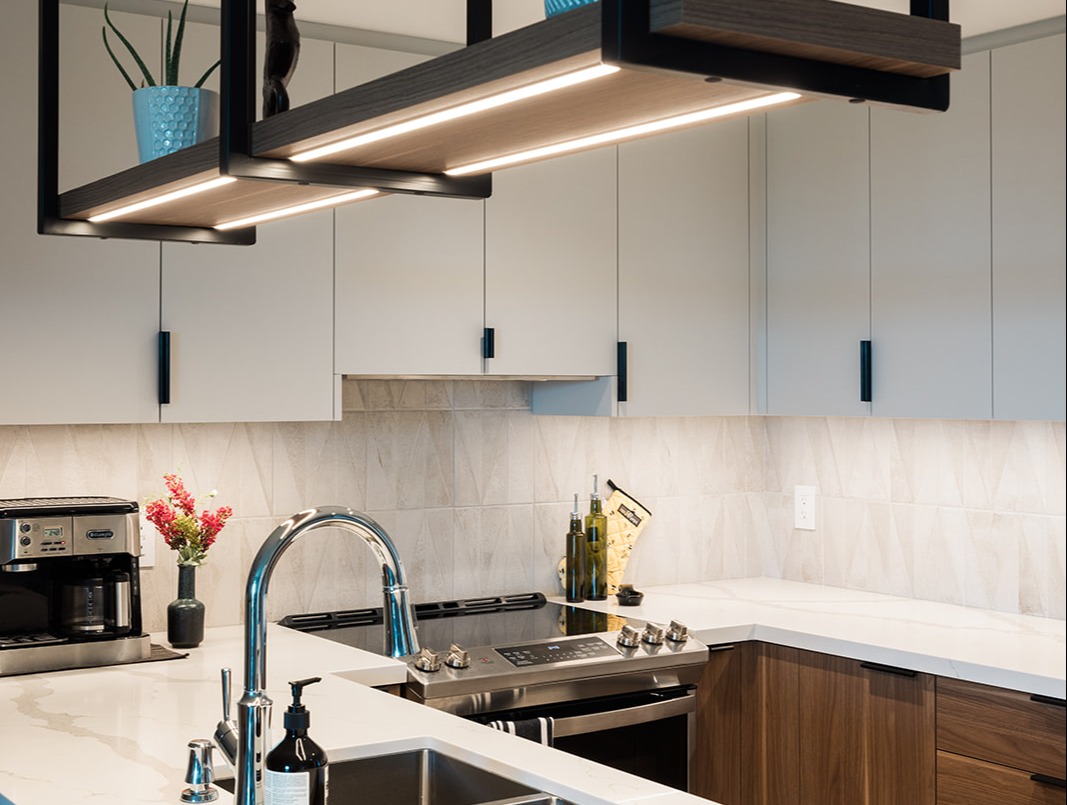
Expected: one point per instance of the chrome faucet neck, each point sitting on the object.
(397, 611)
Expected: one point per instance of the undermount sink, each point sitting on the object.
(423, 777)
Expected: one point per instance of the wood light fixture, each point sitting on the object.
(603, 73)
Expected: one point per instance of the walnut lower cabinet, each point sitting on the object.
(783, 726)
(999, 746)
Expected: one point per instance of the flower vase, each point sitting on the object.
(185, 615)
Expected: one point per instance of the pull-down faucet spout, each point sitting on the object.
(255, 705)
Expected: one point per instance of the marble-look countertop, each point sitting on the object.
(119, 734)
(1020, 652)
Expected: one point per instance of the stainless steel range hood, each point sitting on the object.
(617, 69)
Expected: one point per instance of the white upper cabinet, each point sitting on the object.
(684, 272)
(78, 316)
(252, 326)
(818, 258)
(1028, 230)
(409, 296)
(550, 267)
(930, 255)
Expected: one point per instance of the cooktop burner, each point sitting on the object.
(501, 620)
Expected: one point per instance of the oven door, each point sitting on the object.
(650, 734)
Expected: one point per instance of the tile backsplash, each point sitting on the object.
(476, 490)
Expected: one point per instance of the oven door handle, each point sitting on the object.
(626, 717)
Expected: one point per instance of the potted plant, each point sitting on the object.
(167, 116)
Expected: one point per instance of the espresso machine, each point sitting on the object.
(70, 591)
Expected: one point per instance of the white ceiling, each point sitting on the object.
(445, 19)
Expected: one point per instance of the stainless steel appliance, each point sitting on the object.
(618, 691)
(70, 594)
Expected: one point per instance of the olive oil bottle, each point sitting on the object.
(575, 562)
(596, 549)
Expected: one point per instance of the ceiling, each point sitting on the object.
(445, 19)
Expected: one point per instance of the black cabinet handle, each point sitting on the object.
(1037, 697)
(888, 669)
(865, 371)
(1044, 779)
(621, 368)
(489, 342)
(164, 367)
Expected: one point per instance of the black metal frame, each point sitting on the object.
(627, 41)
(237, 112)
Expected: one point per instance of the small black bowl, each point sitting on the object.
(628, 596)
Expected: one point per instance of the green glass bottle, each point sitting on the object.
(575, 567)
(596, 549)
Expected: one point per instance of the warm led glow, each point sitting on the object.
(164, 199)
(492, 102)
(623, 134)
(333, 201)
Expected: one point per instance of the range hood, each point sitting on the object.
(602, 73)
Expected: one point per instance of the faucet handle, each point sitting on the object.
(225, 694)
(199, 774)
(226, 733)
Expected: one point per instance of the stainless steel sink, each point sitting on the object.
(423, 777)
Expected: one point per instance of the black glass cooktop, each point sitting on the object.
(492, 621)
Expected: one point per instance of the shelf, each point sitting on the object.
(749, 49)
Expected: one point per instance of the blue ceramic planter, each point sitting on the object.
(554, 7)
(168, 119)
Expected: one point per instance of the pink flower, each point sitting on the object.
(182, 528)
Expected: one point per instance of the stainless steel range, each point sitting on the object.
(612, 689)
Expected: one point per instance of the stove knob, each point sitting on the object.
(629, 637)
(428, 661)
(653, 634)
(677, 632)
(457, 657)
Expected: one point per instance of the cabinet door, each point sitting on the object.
(683, 272)
(550, 266)
(717, 766)
(818, 258)
(930, 255)
(252, 326)
(1028, 231)
(78, 316)
(410, 269)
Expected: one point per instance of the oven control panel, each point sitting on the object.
(578, 648)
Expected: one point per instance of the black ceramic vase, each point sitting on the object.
(185, 615)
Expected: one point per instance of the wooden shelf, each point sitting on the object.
(814, 30)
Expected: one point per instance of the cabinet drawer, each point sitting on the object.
(966, 781)
(1001, 726)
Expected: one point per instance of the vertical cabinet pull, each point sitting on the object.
(620, 358)
(865, 371)
(164, 367)
(489, 342)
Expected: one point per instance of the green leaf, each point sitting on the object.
(167, 78)
(207, 74)
(133, 52)
(114, 58)
(177, 54)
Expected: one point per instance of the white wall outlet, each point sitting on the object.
(804, 507)
(148, 543)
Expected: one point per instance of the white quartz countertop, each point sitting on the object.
(120, 734)
(1020, 652)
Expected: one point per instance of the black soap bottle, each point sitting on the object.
(297, 773)
(575, 562)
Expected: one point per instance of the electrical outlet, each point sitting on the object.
(804, 508)
(148, 543)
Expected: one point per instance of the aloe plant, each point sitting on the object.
(171, 57)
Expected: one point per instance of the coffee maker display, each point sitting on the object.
(70, 593)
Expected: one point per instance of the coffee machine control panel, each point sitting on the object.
(39, 529)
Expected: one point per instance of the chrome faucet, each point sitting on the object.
(254, 706)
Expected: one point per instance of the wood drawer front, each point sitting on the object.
(966, 781)
(1001, 726)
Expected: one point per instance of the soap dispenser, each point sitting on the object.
(296, 772)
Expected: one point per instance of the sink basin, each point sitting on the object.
(423, 777)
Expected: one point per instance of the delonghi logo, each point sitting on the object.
(102, 533)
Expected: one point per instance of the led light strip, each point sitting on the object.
(623, 134)
(463, 110)
(333, 201)
(192, 190)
